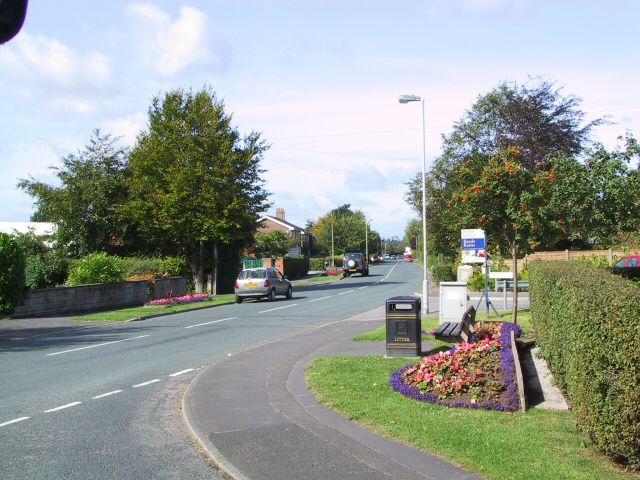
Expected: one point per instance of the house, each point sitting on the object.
(302, 239)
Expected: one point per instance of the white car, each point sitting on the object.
(262, 283)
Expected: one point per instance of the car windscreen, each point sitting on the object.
(245, 274)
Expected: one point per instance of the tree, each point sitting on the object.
(536, 120)
(346, 229)
(11, 273)
(272, 244)
(195, 183)
(92, 183)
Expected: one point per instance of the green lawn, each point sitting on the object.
(534, 445)
(125, 314)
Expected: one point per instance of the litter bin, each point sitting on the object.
(404, 326)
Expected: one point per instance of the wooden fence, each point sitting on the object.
(610, 254)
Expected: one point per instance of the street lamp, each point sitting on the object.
(425, 281)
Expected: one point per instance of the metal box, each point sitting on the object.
(404, 327)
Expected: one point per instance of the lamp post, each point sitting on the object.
(425, 281)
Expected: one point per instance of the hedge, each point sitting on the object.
(12, 263)
(296, 267)
(587, 323)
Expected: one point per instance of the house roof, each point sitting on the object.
(279, 221)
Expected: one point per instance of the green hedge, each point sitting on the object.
(443, 272)
(97, 268)
(11, 273)
(296, 267)
(587, 322)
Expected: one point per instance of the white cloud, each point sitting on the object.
(51, 74)
(128, 127)
(170, 46)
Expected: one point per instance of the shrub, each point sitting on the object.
(476, 282)
(316, 264)
(296, 267)
(11, 273)
(97, 268)
(45, 270)
(442, 272)
(587, 322)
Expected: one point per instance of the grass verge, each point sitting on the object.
(125, 314)
(534, 445)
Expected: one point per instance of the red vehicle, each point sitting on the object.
(628, 266)
(408, 257)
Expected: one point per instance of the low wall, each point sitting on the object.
(169, 287)
(49, 302)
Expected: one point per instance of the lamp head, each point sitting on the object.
(409, 98)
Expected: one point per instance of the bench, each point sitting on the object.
(508, 284)
(456, 332)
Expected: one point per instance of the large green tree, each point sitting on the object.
(536, 121)
(195, 183)
(92, 183)
(272, 244)
(346, 229)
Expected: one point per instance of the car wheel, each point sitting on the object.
(289, 292)
(272, 295)
(238, 299)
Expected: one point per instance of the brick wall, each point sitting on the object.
(49, 302)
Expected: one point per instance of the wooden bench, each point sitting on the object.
(508, 284)
(457, 332)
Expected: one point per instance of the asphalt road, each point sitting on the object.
(103, 402)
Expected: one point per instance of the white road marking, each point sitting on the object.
(209, 323)
(344, 293)
(144, 384)
(94, 346)
(278, 308)
(106, 394)
(363, 287)
(181, 372)
(62, 407)
(318, 299)
(15, 420)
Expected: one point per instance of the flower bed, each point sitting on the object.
(195, 297)
(477, 374)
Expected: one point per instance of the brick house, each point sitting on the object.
(299, 237)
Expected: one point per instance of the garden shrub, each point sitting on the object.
(45, 270)
(476, 282)
(97, 268)
(442, 272)
(296, 267)
(587, 322)
(11, 273)
(316, 264)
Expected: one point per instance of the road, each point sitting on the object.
(103, 402)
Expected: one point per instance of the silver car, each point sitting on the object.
(262, 282)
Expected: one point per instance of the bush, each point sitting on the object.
(45, 270)
(476, 282)
(296, 267)
(97, 268)
(11, 273)
(316, 264)
(587, 322)
(442, 272)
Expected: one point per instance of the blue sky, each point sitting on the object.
(319, 80)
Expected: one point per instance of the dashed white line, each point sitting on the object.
(278, 308)
(94, 346)
(181, 372)
(209, 323)
(62, 407)
(363, 287)
(106, 394)
(144, 384)
(15, 420)
(318, 299)
(344, 293)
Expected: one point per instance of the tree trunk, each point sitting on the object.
(197, 269)
(514, 268)
(214, 270)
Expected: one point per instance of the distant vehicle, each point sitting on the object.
(386, 257)
(261, 283)
(354, 263)
(408, 256)
(628, 266)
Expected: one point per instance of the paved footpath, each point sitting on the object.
(255, 417)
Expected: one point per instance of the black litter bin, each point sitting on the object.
(404, 326)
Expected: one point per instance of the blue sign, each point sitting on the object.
(472, 243)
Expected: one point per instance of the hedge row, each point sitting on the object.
(587, 323)
(296, 267)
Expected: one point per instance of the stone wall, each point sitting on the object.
(169, 287)
(49, 302)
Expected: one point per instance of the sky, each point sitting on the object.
(319, 80)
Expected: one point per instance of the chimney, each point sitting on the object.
(280, 213)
